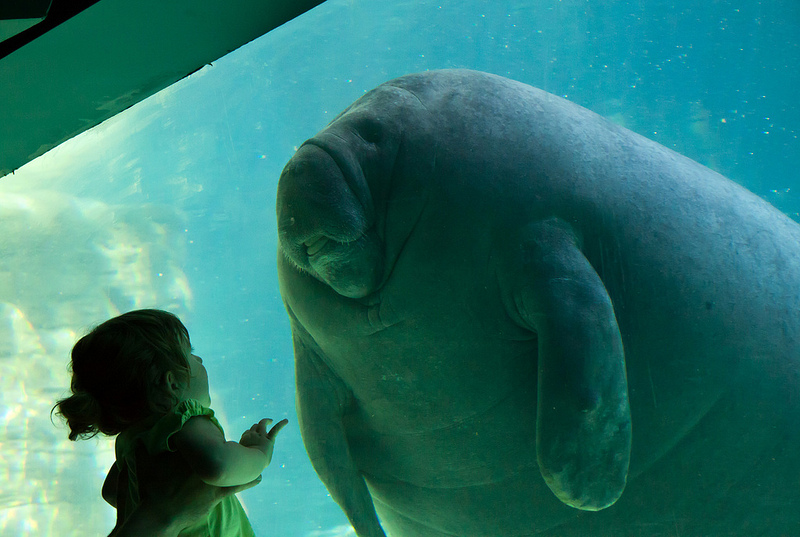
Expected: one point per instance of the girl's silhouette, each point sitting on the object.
(135, 376)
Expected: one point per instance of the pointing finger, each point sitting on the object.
(277, 428)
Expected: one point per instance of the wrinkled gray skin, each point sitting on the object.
(464, 259)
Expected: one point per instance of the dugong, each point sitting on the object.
(512, 317)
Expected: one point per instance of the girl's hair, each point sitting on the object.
(118, 372)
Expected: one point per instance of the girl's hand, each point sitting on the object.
(257, 436)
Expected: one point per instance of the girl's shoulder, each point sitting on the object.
(190, 408)
(159, 435)
(190, 421)
(200, 430)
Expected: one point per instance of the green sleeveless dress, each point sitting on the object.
(227, 519)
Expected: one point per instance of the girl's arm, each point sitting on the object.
(216, 461)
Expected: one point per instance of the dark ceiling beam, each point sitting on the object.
(33, 18)
(110, 56)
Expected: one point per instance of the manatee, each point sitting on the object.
(512, 317)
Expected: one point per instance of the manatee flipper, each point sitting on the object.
(583, 425)
(321, 403)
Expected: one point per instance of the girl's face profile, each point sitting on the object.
(198, 382)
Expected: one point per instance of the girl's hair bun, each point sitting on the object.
(82, 413)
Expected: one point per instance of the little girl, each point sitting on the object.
(135, 376)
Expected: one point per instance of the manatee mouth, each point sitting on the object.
(352, 269)
(314, 245)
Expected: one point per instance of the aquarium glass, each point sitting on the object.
(171, 204)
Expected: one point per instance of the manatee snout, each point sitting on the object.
(323, 228)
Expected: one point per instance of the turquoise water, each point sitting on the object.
(171, 203)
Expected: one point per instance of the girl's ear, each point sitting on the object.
(172, 385)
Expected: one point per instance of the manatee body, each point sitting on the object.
(512, 317)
